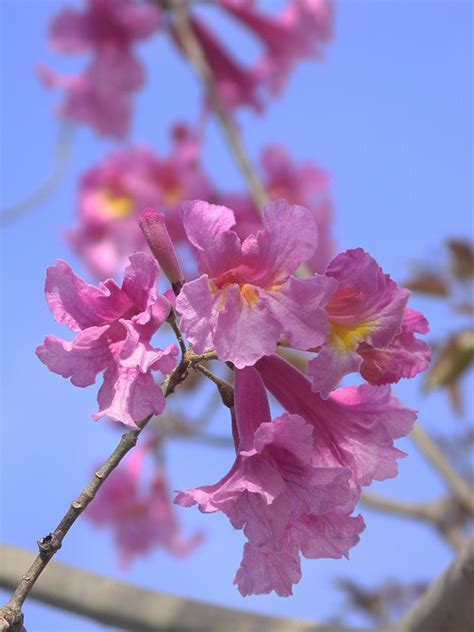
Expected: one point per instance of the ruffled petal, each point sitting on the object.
(199, 310)
(405, 357)
(78, 305)
(82, 359)
(329, 367)
(128, 396)
(245, 331)
(298, 305)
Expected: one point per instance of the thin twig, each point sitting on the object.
(177, 332)
(47, 188)
(459, 486)
(192, 49)
(225, 389)
(50, 544)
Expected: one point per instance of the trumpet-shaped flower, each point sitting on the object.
(274, 492)
(114, 192)
(247, 296)
(114, 328)
(355, 427)
(141, 517)
(366, 307)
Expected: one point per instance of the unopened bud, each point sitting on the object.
(153, 225)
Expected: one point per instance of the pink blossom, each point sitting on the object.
(115, 191)
(114, 328)
(101, 95)
(300, 32)
(92, 98)
(366, 307)
(141, 518)
(406, 356)
(305, 184)
(355, 427)
(283, 502)
(247, 295)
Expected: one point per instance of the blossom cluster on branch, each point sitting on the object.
(297, 479)
(245, 283)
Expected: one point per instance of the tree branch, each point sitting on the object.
(123, 605)
(193, 51)
(459, 486)
(447, 605)
(435, 513)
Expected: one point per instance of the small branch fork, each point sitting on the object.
(11, 615)
(197, 58)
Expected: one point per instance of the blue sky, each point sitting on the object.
(389, 114)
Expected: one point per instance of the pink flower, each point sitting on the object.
(141, 519)
(114, 328)
(366, 307)
(406, 356)
(247, 296)
(355, 427)
(113, 193)
(92, 98)
(102, 94)
(300, 32)
(282, 501)
(304, 184)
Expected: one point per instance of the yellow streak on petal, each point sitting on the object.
(346, 339)
(117, 206)
(249, 293)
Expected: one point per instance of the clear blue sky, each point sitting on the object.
(389, 114)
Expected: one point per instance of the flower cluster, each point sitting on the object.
(295, 480)
(102, 94)
(114, 327)
(141, 519)
(112, 194)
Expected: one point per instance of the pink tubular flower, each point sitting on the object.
(247, 296)
(366, 307)
(101, 95)
(355, 427)
(282, 501)
(300, 32)
(140, 519)
(113, 193)
(114, 328)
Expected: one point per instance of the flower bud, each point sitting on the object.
(153, 225)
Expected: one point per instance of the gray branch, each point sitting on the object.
(123, 605)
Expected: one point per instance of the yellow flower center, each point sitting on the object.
(347, 339)
(117, 206)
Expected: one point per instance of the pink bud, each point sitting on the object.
(153, 225)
